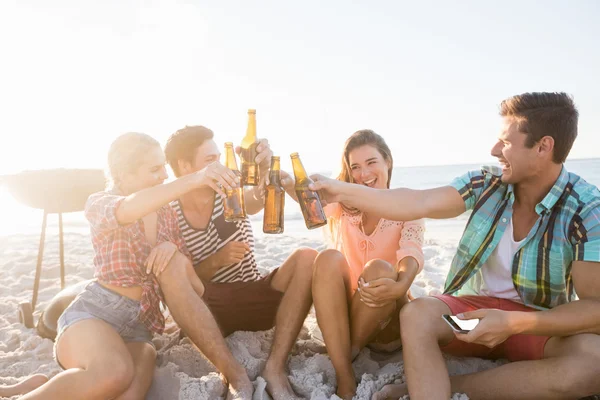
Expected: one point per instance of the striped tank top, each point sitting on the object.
(202, 243)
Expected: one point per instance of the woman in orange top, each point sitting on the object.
(362, 281)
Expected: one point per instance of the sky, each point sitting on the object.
(428, 76)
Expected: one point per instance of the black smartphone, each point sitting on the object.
(460, 325)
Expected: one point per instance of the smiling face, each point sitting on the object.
(368, 167)
(208, 152)
(517, 160)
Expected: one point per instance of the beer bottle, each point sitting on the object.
(234, 203)
(274, 200)
(309, 200)
(248, 153)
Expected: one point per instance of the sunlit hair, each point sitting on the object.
(182, 145)
(364, 137)
(125, 155)
(545, 114)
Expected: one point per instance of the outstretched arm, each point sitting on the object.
(394, 204)
(142, 203)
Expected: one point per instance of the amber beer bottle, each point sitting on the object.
(234, 203)
(274, 200)
(248, 153)
(309, 200)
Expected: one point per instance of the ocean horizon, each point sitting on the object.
(19, 219)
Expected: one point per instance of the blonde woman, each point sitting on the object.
(104, 338)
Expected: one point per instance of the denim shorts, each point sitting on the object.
(98, 302)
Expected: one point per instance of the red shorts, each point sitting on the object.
(243, 306)
(515, 348)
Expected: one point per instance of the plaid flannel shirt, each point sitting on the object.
(567, 230)
(122, 250)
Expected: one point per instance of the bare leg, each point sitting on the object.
(423, 330)
(332, 292)
(181, 287)
(569, 370)
(366, 322)
(294, 277)
(27, 385)
(346, 335)
(98, 365)
(144, 361)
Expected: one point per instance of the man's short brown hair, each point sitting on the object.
(545, 114)
(182, 145)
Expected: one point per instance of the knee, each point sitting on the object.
(376, 269)
(580, 378)
(176, 270)
(581, 368)
(140, 386)
(419, 315)
(114, 377)
(305, 259)
(327, 263)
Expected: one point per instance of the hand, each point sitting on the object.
(218, 177)
(159, 258)
(380, 292)
(329, 189)
(231, 253)
(263, 154)
(288, 183)
(495, 326)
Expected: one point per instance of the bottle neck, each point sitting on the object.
(275, 178)
(274, 174)
(299, 172)
(230, 161)
(250, 131)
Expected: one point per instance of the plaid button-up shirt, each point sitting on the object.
(567, 230)
(122, 250)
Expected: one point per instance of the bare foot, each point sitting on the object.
(391, 392)
(241, 389)
(344, 396)
(29, 384)
(278, 385)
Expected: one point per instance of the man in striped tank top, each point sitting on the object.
(223, 256)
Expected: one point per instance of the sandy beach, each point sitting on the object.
(181, 371)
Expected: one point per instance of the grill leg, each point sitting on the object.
(38, 269)
(62, 252)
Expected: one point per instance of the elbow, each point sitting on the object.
(123, 216)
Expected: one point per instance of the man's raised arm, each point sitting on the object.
(393, 204)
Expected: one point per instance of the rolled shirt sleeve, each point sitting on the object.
(100, 211)
(585, 235)
(470, 185)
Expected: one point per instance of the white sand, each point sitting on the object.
(180, 368)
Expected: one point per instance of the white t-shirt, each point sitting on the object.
(497, 270)
(494, 278)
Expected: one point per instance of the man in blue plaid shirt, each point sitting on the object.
(527, 265)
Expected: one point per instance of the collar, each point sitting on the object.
(555, 193)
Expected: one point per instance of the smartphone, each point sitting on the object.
(460, 325)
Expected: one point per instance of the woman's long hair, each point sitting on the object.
(357, 139)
